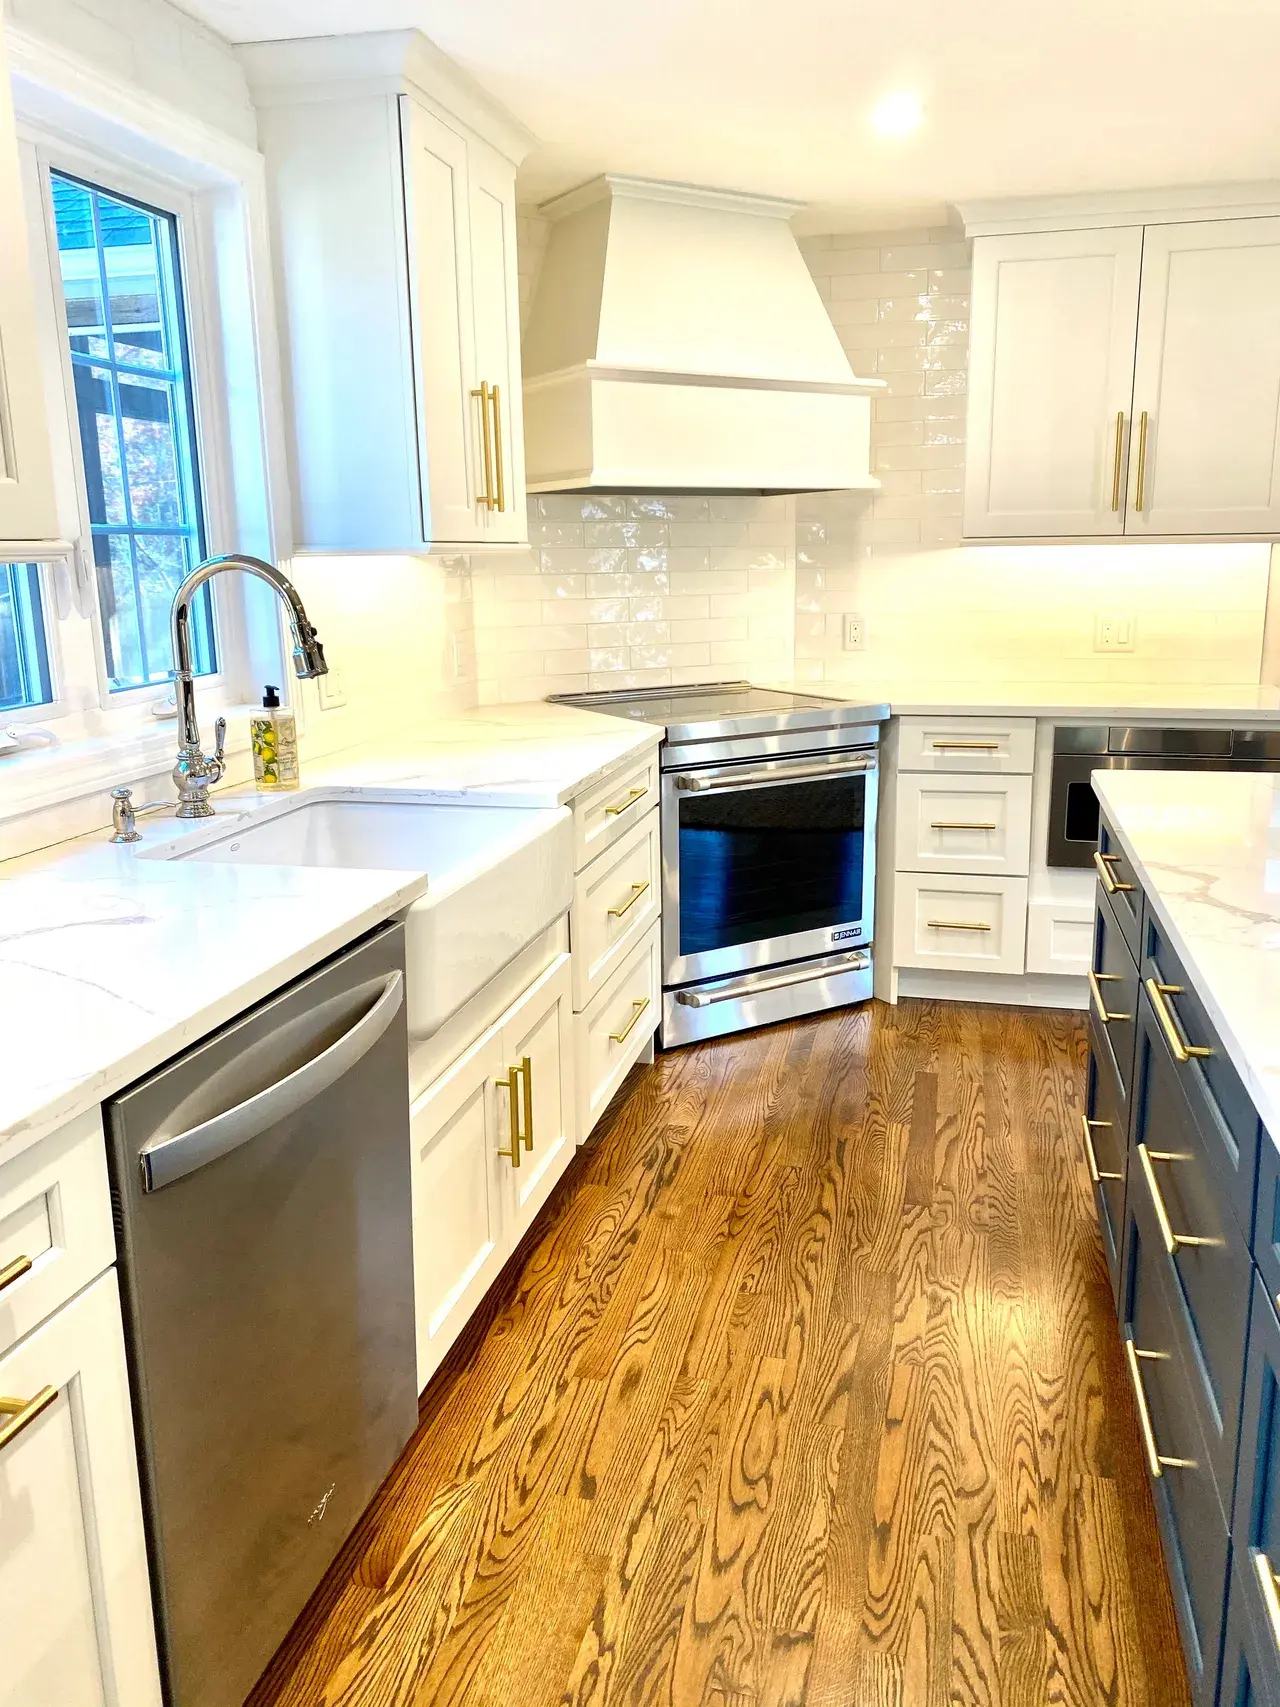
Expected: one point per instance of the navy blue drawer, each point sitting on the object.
(1193, 1531)
(1266, 1218)
(1120, 885)
(1197, 1242)
(1106, 1149)
(1250, 1667)
(1223, 1111)
(1113, 995)
(1256, 1530)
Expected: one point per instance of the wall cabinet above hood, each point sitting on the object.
(678, 342)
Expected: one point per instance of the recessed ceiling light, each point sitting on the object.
(898, 114)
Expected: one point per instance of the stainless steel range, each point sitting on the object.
(768, 807)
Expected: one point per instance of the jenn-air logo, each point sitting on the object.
(845, 935)
(317, 1515)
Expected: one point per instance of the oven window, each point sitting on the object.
(1080, 822)
(758, 863)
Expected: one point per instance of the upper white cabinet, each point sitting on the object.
(392, 181)
(1125, 380)
(28, 509)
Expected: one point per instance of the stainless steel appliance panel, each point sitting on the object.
(269, 1306)
(723, 1005)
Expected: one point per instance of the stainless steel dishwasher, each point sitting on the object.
(261, 1187)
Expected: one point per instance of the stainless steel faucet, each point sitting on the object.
(195, 771)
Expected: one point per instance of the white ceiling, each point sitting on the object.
(1021, 96)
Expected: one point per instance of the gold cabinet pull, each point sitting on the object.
(1157, 1462)
(1173, 1242)
(487, 499)
(1142, 462)
(1182, 1050)
(1096, 981)
(1096, 1174)
(956, 925)
(945, 824)
(21, 1412)
(510, 1081)
(14, 1271)
(526, 1068)
(637, 890)
(1115, 470)
(621, 805)
(967, 746)
(500, 503)
(1110, 882)
(1270, 1597)
(638, 1006)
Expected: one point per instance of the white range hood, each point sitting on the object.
(678, 342)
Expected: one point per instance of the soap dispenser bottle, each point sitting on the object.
(273, 734)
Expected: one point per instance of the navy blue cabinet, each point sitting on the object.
(1256, 1530)
(1250, 1673)
(1113, 995)
(1266, 1216)
(1105, 1134)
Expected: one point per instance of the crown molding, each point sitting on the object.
(1171, 205)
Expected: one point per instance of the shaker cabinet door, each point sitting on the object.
(1206, 399)
(537, 1042)
(1051, 355)
(496, 306)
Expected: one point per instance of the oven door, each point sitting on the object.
(766, 860)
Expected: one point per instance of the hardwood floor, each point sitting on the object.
(806, 1389)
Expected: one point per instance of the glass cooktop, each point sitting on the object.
(707, 702)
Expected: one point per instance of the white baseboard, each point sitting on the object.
(1023, 990)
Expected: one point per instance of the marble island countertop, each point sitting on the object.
(1207, 851)
(110, 963)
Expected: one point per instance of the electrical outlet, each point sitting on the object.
(333, 689)
(855, 633)
(1114, 631)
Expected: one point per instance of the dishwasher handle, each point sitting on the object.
(172, 1159)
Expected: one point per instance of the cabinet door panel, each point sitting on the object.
(75, 1599)
(539, 1028)
(1208, 378)
(1106, 1139)
(1256, 1529)
(438, 231)
(1051, 356)
(496, 298)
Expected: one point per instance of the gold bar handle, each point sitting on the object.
(637, 890)
(526, 1068)
(482, 392)
(966, 746)
(1173, 1242)
(1096, 1174)
(1270, 1597)
(956, 925)
(23, 1412)
(957, 825)
(1142, 462)
(494, 398)
(1182, 1050)
(14, 1271)
(1115, 471)
(1157, 1462)
(1096, 981)
(621, 805)
(622, 1036)
(1110, 882)
(509, 1083)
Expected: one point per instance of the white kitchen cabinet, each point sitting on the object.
(957, 923)
(963, 823)
(1051, 357)
(392, 182)
(615, 900)
(75, 1599)
(1206, 395)
(28, 508)
(537, 1044)
(616, 1030)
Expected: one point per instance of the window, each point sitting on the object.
(24, 656)
(118, 261)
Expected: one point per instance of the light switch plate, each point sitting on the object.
(855, 633)
(1114, 631)
(333, 689)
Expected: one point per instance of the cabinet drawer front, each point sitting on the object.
(960, 923)
(1223, 1111)
(615, 900)
(967, 744)
(1172, 1177)
(1256, 1529)
(960, 823)
(1266, 1219)
(1113, 996)
(1106, 1146)
(615, 1030)
(1250, 1657)
(1121, 888)
(607, 810)
(55, 1224)
(1189, 1507)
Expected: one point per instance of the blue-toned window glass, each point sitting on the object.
(123, 292)
(24, 656)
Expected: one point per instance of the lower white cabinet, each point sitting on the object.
(491, 1136)
(75, 1599)
(615, 900)
(963, 823)
(616, 1028)
(958, 923)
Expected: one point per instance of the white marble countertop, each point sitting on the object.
(1207, 851)
(111, 963)
(1149, 702)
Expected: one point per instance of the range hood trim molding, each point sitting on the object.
(592, 369)
(620, 184)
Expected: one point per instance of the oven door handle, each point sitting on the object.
(692, 784)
